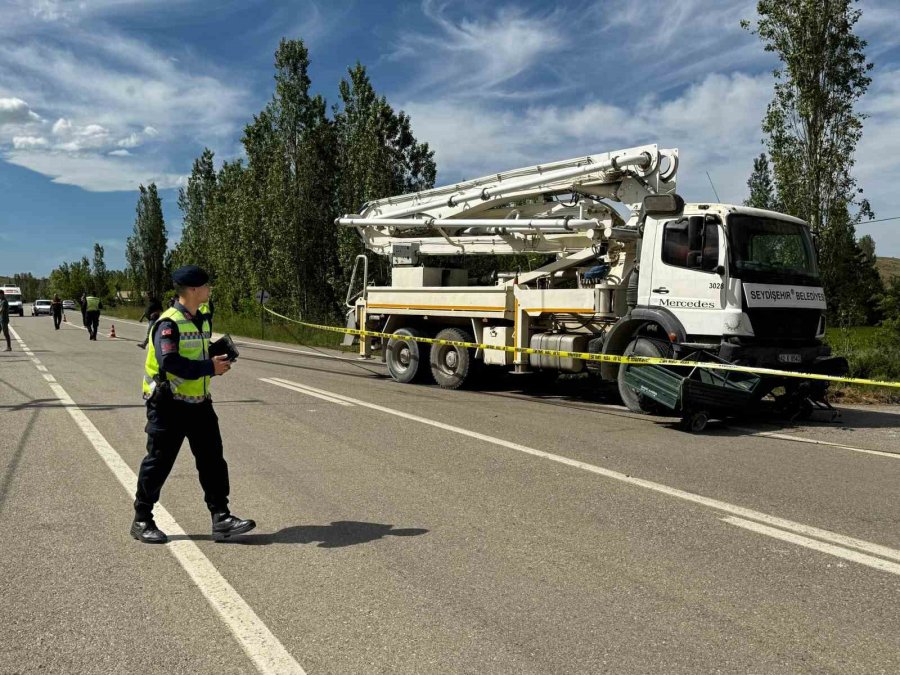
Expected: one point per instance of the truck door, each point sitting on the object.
(689, 255)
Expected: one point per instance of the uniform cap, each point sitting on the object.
(190, 275)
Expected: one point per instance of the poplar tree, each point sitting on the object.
(812, 129)
(195, 201)
(99, 274)
(379, 157)
(146, 248)
(762, 188)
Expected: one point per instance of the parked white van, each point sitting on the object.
(14, 297)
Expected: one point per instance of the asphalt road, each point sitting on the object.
(407, 529)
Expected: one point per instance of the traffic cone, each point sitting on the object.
(112, 330)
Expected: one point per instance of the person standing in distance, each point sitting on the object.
(57, 310)
(83, 305)
(4, 319)
(176, 386)
(154, 309)
(92, 308)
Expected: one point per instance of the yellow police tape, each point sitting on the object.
(586, 356)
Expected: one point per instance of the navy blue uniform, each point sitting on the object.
(168, 427)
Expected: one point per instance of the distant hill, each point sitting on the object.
(887, 267)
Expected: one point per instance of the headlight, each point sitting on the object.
(820, 331)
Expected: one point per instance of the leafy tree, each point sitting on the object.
(812, 130)
(99, 273)
(307, 181)
(867, 247)
(146, 248)
(195, 201)
(762, 187)
(379, 157)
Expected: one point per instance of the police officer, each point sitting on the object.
(177, 376)
(92, 315)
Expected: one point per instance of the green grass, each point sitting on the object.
(275, 329)
(846, 340)
(873, 353)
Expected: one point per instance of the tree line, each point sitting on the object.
(266, 221)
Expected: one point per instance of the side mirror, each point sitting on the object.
(720, 270)
(663, 205)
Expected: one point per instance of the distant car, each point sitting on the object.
(69, 304)
(40, 307)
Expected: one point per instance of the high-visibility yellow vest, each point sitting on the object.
(92, 303)
(192, 344)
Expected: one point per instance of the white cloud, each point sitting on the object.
(131, 141)
(28, 142)
(62, 127)
(122, 152)
(16, 111)
(95, 173)
(478, 56)
(105, 95)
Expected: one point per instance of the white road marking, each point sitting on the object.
(303, 390)
(815, 441)
(733, 509)
(41, 368)
(831, 549)
(257, 641)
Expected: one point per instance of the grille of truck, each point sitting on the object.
(784, 324)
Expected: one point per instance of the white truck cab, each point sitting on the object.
(736, 276)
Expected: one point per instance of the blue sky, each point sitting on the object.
(99, 96)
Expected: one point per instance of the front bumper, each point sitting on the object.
(808, 359)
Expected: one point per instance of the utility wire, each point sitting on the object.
(879, 220)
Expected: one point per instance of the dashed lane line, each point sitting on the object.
(258, 642)
(837, 541)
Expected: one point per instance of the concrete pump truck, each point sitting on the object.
(654, 277)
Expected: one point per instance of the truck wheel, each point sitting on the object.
(639, 346)
(406, 359)
(451, 365)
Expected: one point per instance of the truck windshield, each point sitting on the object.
(12, 297)
(771, 248)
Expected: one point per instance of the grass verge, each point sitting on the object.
(251, 327)
(873, 353)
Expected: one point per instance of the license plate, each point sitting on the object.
(789, 358)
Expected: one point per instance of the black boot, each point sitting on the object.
(147, 532)
(225, 525)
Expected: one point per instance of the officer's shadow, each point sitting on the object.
(336, 535)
